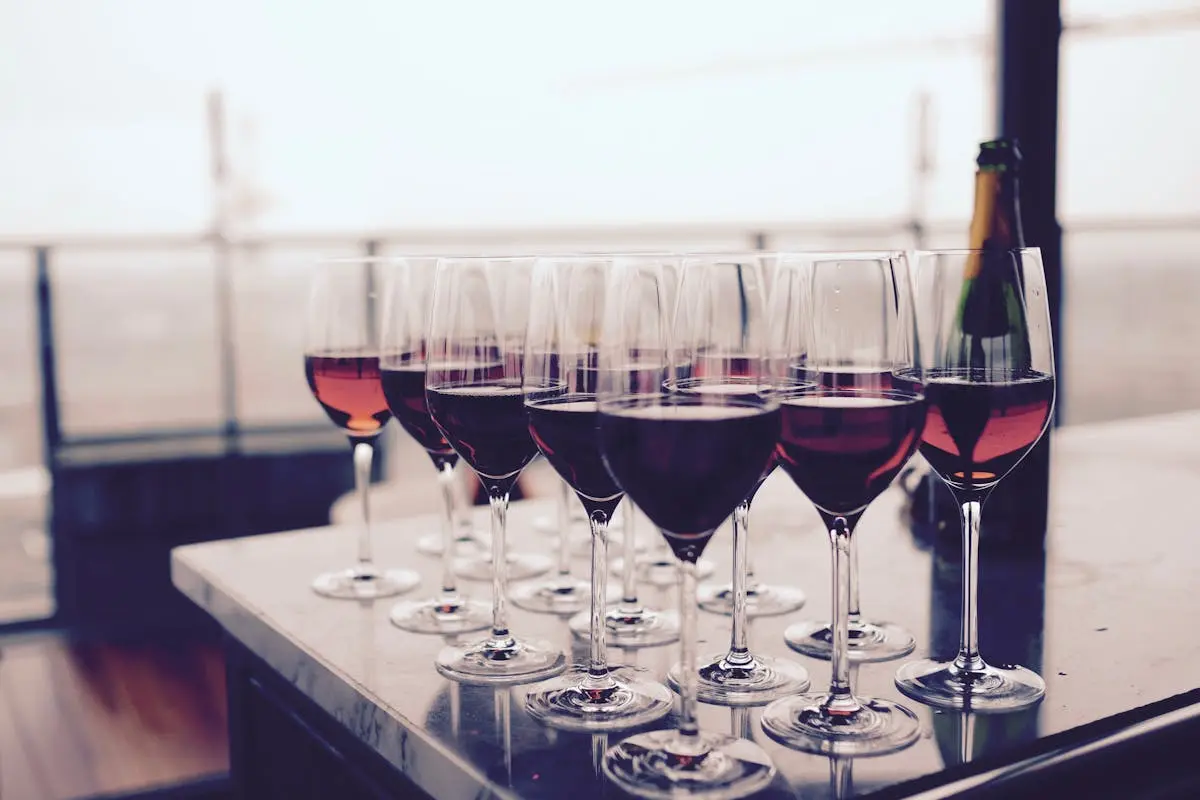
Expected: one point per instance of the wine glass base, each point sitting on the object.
(762, 599)
(990, 689)
(646, 628)
(565, 597)
(877, 728)
(494, 662)
(521, 566)
(722, 683)
(365, 583)
(436, 616)
(467, 541)
(868, 642)
(662, 571)
(567, 703)
(662, 765)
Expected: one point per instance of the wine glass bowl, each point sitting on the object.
(341, 364)
(988, 368)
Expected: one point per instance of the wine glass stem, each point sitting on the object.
(564, 531)
(363, 455)
(852, 607)
(968, 647)
(446, 483)
(598, 662)
(500, 635)
(841, 700)
(689, 729)
(629, 597)
(739, 648)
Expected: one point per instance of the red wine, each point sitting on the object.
(686, 463)
(404, 388)
(843, 448)
(487, 426)
(565, 429)
(347, 386)
(978, 431)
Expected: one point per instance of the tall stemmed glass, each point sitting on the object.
(870, 639)
(849, 427)
(404, 321)
(629, 622)
(989, 370)
(721, 330)
(761, 599)
(561, 375)
(473, 387)
(341, 362)
(688, 459)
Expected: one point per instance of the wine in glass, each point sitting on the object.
(720, 336)
(843, 441)
(473, 361)
(988, 365)
(405, 319)
(688, 459)
(341, 362)
(560, 381)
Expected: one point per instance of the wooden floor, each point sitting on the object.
(82, 720)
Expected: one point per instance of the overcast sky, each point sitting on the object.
(358, 114)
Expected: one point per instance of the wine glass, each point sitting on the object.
(761, 599)
(869, 640)
(688, 459)
(560, 380)
(989, 372)
(405, 318)
(721, 335)
(341, 362)
(629, 622)
(474, 352)
(850, 424)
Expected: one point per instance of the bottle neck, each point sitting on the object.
(996, 223)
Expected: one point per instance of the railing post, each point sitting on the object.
(52, 433)
(1027, 100)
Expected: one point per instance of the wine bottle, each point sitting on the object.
(991, 334)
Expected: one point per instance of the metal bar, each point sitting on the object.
(1028, 45)
(52, 432)
(439, 237)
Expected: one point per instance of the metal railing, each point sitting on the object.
(245, 256)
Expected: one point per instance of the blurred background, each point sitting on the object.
(171, 169)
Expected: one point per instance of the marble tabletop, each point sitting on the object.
(1106, 616)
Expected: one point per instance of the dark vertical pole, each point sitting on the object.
(1027, 97)
(52, 434)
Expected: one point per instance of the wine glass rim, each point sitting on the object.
(969, 251)
(849, 255)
